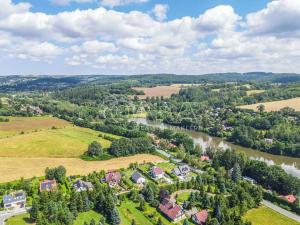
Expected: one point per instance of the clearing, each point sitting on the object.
(266, 216)
(159, 91)
(275, 105)
(252, 92)
(13, 168)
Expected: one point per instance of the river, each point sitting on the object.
(289, 164)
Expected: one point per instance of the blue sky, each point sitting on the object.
(148, 36)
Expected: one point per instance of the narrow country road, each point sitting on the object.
(281, 210)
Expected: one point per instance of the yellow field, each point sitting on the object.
(276, 105)
(28, 124)
(252, 92)
(266, 216)
(15, 168)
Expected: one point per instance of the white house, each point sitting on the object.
(138, 178)
(15, 200)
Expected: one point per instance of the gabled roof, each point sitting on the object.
(136, 176)
(47, 185)
(113, 177)
(14, 197)
(170, 209)
(201, 216)
(157, 170)
(83, 184)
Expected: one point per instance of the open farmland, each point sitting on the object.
(16, 125)
(12, 168)
(276, 105)
(252, 92)
(266, 216)
(158, 91)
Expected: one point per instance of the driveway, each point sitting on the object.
(281, 210)
(4, 215)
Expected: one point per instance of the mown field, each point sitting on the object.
(12, 168)
(266, 216)
(158, 91)
(276, 105)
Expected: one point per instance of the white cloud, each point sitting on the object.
(280, 18)
(114, 3)
(133, 42)
(68, 2)
(160, 11)
(7, 8)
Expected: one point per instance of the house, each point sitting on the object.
(48, 185)
(249, 179)
(157, 172)
(182, 170)
(112, 178)
(200, 217)
(289, 198)
(15, 200)
(171, 210)
(138, 178)
(204, 158)
(80, 185)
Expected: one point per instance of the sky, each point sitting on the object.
(77, 37)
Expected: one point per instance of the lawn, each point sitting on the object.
(183, 197)
(22, 219)
(167, 166)
(81, 218)
(252, 92)
(266, 216)
(13, 168)
(70, 141)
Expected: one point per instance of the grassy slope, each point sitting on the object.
(266, 216)
(19, 220)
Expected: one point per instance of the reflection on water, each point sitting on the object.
(289, 164)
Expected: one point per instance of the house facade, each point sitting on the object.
(200, 217)
(171, 210)
(157, 172)
(80, 185)
(48, 185)
(138, 178)
(15, 200)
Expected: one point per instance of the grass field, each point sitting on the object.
(64, 142)
(81, 218)
(12, 168)
(252, 92)
(266, 216)
(28, 124)
(276, 105)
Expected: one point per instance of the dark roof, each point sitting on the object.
(14, 197)
(82, 184)
(136, 176)
(47, 185)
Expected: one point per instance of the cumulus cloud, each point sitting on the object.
(160, 11)
(106, 40)
(280, 18)
(114, 3)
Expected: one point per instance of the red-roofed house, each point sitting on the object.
(200, 217)
(204, 158)
(157, 172)
(289, 198)
(112, 178)
(48, 185)
(171, 210)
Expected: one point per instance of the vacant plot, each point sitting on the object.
(266, 216)
(276, 105)
(64, 142)
(17, 125)
(13, 168)
(252, 92)
(22, 219)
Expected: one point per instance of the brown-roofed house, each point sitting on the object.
(157, 172)
(48, 185)
(113, 178)
(200, 217)
(171, 210)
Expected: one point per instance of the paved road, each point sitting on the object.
(281, 210)
(4, 215)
